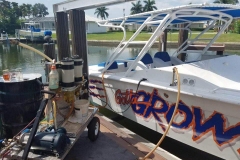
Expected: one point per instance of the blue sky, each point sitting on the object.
(115, 10)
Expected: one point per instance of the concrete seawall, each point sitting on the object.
(228, 45)
(114, 43)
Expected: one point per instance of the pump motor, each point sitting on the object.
(47, 142)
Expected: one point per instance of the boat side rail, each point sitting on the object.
(159, 31)
(186, 41)
(221, 17)
(189, 41)
(116, 55)
(123, 39)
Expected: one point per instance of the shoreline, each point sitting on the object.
(228, 45)
(170, 44)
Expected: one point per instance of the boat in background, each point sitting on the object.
(144, 89)
(32, 32)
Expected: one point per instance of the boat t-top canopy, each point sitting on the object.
(168, 19)
(184, 14)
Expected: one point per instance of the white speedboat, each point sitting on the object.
(32, 32)
(144, 90)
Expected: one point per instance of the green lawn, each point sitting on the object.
(229, 37)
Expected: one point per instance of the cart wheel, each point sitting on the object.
(93, 129)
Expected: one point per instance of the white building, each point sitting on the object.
(92, 26)
(48, 23)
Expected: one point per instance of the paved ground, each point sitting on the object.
(103, 148)
(115, 142)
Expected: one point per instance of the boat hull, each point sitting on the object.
(208, 125)
(32, 36)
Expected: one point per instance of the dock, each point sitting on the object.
(115, 142)
(21, 39)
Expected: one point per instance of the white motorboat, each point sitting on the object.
(32, 32)
(144, 89)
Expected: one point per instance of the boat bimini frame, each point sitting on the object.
(168, 19)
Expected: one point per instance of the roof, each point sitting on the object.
(51, 19)
(185, 14)
(41, 19)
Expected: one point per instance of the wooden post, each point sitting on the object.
(163, 46)
(219, 52)
(62, 35)
(79, 41)
(183, 36)
(160, 44)
(165, 41)
(49, 50)
(74, 18)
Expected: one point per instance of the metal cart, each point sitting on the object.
(73, 132)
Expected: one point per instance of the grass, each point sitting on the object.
(229, 37)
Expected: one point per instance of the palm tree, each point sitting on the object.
(137, 8)
(102, 12)
(149, 5)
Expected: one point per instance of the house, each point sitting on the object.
(44, 23)
(134, 27)
(92, 26)
(198, 25)
(48, 23)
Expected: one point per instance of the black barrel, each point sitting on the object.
(19, 103)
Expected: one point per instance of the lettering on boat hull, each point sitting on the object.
(192, 119)
(193, 116)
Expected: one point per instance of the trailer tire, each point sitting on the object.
(93, 129)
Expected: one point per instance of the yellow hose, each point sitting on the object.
(32, 49)
(54, 104)
(104, 89)
(71, 111)
(173, 115)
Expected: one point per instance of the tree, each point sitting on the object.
(102, 12)
(136, 8)
(226, 1)
(9, 15)
(149, 5)
(39, 10)
(5, 7)
(23, 10)
(29, 10)
(34, 11)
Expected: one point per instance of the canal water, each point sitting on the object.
(12, 57)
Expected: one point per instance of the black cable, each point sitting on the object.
(143, 79)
